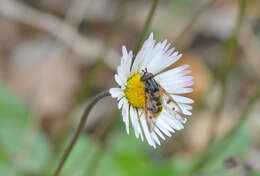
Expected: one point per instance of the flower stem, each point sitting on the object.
(79, 129)
(146, 26)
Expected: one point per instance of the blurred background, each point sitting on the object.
(57, 54)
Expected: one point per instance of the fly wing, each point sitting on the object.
(171, 106)
(150, 120)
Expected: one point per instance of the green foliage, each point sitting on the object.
(23, 148)
(255, 174)
(128, 156)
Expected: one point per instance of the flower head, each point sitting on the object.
(155, 95)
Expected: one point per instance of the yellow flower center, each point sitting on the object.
(134, 91)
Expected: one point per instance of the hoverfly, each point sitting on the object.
(157, 98)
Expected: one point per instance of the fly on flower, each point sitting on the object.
(148, 95)
(156, 98)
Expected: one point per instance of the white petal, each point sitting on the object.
(159, 133)
(124, 53)
(163, 126)
(171, 121)
(156, 55)
(188, 107)
(181, 99)
(135, 123)
(133, 117)
(141, 55)
(126, 61)
(148, 55)
(178, 88)
(166, 61)
(138, 125)
(116, 92)
(174, 121)
(119, 80)
(186, 84)
(171, 73)
(125, 113)
(120, 103)
(146, 131)
(185, 111)
(155, 138)
(162, 58)
(166, 47)
(164, 130)
(121, 75)
(175, 80)
(128, 64)
(181, 118)
(123, 70)
(180, 91)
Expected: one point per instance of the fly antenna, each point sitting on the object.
(145, 70)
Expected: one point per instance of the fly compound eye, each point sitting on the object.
(142, 78)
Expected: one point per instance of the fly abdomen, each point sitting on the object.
(156, 100)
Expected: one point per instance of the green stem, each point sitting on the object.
(79, 129)
(146, 26)
(182, 39)
(233, 43)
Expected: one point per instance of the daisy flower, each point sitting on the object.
(132, 93)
